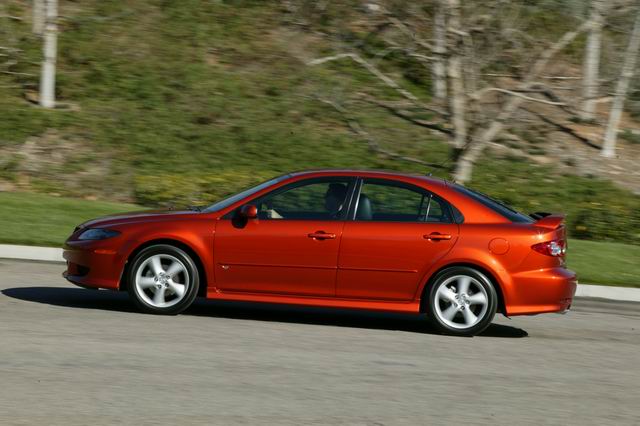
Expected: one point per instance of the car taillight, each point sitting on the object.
(555, 248)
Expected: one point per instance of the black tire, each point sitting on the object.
(479, 286)
(144, 297)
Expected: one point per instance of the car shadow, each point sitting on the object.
(120, 302)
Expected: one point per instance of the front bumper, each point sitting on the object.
(541, 291)
(92, 266)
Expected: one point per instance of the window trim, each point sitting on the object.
(390, 182)
(351, 183)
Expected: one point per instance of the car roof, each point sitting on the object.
(382, 174)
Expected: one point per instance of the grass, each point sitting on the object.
(37, 219)
(44, 220)
(605, 263)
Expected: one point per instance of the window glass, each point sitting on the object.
(317, 200)
(495, 205)
(387, 201)
(226, 202)
(437, 211)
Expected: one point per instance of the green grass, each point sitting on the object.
(605, 263)
(44, 220)
(37, 219)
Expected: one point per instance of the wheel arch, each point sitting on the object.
(482, 269)
(202, 273)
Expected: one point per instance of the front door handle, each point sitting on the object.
(321, 235)
(436, 236)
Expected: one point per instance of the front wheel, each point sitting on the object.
(462, 302)
(163, 279)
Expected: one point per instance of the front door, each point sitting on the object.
(291, 247)
(398, 233)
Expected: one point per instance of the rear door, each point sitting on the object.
(397, 233)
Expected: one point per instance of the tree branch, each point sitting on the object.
(373, 145)
(563, 128)
(405, 115)
(377, 73)
(477, 95)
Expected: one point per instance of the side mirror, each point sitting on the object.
(249, 211)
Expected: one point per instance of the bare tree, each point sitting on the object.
(38, 12)
(628, 69)
(48, 74)
(471, 123)
(478, 142)
(440, 50)
(591, 65)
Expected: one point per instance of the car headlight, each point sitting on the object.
(97, 234)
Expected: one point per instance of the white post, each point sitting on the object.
(48, 74)
(628, 69)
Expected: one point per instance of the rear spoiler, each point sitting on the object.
(548, 220)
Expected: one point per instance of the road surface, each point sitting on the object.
(70, 356)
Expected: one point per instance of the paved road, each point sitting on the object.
(71, 356)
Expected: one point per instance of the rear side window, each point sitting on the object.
(388, 201)
(495, 205)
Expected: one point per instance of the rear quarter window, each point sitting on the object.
(499, 207)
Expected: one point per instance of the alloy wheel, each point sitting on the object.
(162, 280)
(461, 302)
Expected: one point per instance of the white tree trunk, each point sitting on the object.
(48, 74)
(440, 50)
(457, 100)
(591, 65)
(628, 69)
(37, 24)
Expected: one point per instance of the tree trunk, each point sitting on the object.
(37, 24)
(440, 50)
(591, 65)
(467, 159)
(457, 97)
(628, 68)
(48, 74)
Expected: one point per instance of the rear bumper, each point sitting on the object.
(541, 291)
(92, 267)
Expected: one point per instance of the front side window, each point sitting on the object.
(392, 202)
(316, 200)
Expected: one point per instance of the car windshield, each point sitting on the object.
(497, 206)
(226, 202)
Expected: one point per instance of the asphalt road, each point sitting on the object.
(71, 356)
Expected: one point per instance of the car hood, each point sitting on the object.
(136, 216)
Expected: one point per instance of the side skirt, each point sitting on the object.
(372, 305)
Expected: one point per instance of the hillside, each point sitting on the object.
(166, 102)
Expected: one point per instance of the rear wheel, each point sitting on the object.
(462, 302)
(163, 279)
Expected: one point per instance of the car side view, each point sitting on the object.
(337, 238)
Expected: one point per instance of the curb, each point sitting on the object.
(43, 254)
(51, 254)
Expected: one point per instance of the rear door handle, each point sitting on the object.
(436, 236)
(321, 235)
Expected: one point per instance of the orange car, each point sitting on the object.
(337, 238)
